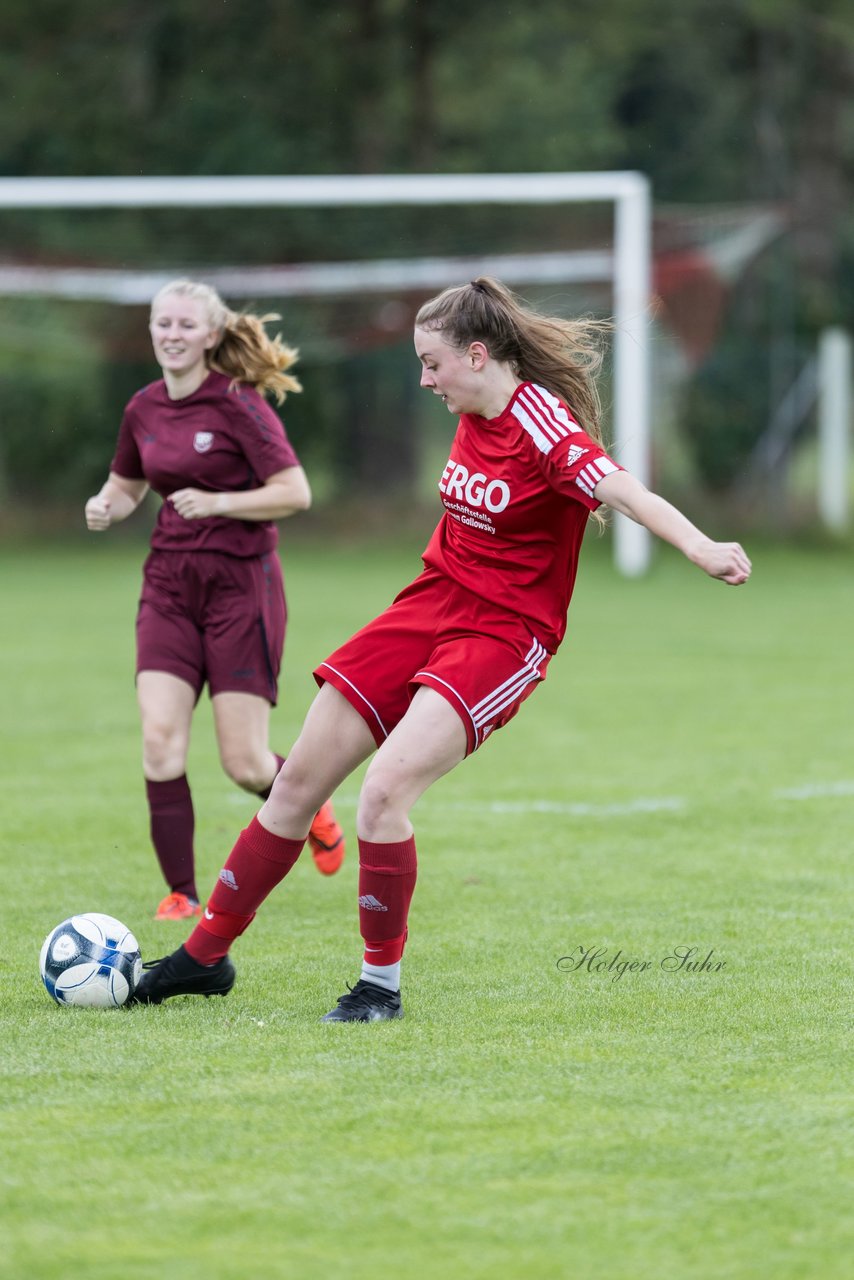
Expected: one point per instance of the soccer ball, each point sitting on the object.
(91, 960)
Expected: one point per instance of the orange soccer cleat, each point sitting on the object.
(178, 906)
(326, 840)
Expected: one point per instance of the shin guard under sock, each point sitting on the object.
(387, 874)
(173, 822)
(256, 864)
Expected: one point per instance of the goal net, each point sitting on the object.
(345, 261)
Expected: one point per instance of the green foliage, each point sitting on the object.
(679, 90)
(724, 410)
(767, 335)
(52, 410)
(520, 1120)
(716, 100)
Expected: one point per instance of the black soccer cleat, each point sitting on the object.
(366, 1003)
(180, 975)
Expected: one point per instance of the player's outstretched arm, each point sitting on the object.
(118, 498)
(624, 493)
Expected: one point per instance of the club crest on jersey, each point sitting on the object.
(575, 452)
(202, 441)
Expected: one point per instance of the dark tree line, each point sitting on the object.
(729, 101)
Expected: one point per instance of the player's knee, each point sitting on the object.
(296, 787)
(164, 750)
(295, 797)
(379, 798)
(246, 770)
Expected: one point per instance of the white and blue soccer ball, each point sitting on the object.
(91, 960)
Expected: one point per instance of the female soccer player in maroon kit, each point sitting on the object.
(212, 608)
(458, 651)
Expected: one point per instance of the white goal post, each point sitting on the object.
(628, 267)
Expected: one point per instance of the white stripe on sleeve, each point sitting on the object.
(543, 417)
(592, 472)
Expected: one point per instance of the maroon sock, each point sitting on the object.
(387, 875)
(173, 822)
(265, 794)
(256, 864)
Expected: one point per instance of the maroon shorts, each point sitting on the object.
(483, 659)
(211, 618)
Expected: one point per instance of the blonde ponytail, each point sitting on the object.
(247, 353)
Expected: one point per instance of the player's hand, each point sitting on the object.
(98, 513)
(194, 504)
(725, 560)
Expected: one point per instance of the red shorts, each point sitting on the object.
(211, 618)
(483, 659)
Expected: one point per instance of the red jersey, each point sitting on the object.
(222, 438)
(517, 492)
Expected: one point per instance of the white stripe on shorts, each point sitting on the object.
(507, 692)
(358, 694)
(533, 655)
(454, 691)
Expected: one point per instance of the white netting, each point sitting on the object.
(345, 260)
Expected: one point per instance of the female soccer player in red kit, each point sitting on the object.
(212, 608)
(458, 651)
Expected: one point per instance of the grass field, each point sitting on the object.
(684, 779)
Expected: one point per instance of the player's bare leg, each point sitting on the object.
(333, 742)
(242, 723)
(429, 741)
(166, 709)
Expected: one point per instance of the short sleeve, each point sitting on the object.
(126, 459)
(575, 466)
(265, 442)
(572, 463)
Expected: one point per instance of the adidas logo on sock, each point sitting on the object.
(227, 878)
(370, 903)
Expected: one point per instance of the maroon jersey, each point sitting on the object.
(517, 492)
(222, 438)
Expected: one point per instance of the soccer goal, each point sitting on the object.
(624, 265)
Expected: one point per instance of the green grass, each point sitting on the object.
(685, 777)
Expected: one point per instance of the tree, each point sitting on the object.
(717, 101)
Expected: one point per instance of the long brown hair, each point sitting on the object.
(245, 352)
(563, 356)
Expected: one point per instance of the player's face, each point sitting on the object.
(447, 372)
(180, 333)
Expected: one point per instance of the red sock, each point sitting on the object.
(265, 794)
(256, 864)
(170, 806)
(387, 874)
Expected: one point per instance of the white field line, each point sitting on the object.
(816, 791)
(579, 809)
(643, 804)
